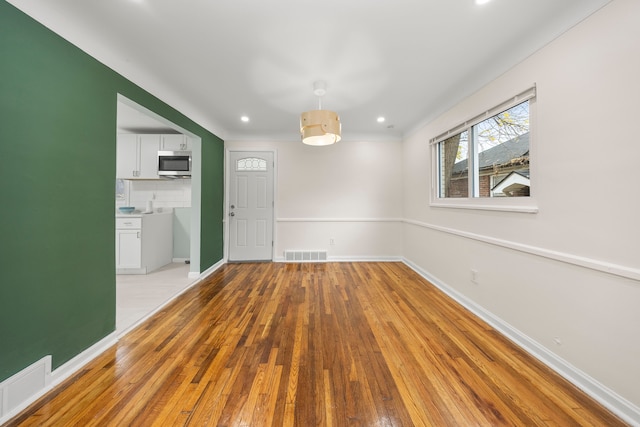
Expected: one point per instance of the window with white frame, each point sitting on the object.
(487, 156)
(251, 164)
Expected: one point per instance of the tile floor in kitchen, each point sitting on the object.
(138, 295)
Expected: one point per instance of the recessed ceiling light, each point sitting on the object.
(244, 119)
(381, 119)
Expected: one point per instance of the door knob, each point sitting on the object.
(232, 214)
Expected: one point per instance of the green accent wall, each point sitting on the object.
(57, 225)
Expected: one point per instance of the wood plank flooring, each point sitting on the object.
(335, 344)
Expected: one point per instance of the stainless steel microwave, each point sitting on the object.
(174, 164)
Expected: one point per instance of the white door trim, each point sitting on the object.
(227, 178)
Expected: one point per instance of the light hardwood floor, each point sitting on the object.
(335, 344)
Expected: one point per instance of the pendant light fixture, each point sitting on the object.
(320, 127)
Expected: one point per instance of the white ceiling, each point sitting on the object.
(216, 60)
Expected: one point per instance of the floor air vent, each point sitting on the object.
(305, 256)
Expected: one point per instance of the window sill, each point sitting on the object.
(528, 207)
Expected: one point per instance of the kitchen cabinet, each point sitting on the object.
(137, 156)
(144, 242)
(126, 156)
(175, 142)
(128, 243)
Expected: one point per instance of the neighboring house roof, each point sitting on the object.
(512, 182)
(501, 154)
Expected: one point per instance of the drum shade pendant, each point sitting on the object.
(320, 127)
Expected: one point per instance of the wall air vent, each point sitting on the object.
(305, 256)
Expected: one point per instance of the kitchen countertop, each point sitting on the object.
(140, 214)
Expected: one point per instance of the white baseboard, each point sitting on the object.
(349, 259)
(72, 366)
(617, 404)
(208, 271)
(33, 382)
(200, 276)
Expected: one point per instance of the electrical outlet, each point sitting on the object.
(474, 276)
(332, 241)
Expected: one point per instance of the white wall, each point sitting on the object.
(547, 274)
(349, 192)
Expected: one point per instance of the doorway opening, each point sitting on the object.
(141, 294)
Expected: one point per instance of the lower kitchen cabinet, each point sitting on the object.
(144, 243)
(128, 249)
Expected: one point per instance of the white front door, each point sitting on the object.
(250, 205)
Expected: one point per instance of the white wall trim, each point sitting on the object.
(607, 397)
(389, 258)
(593, 264)
(209, 270)
(60, 374)
(70, 367)
(339, 220)
(472, 204)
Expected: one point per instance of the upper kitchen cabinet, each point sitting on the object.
(137, 156)
(149, 147)
(175, 142)
(126, 156)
